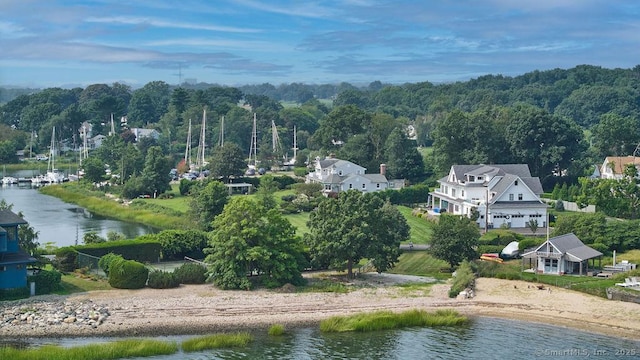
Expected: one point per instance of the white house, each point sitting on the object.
(142, 133)
(341, 175)
(613, 166)
(564, 254)
(503, 194)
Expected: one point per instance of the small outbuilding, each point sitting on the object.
(564, 254)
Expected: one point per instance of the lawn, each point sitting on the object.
(299, 221)
(73, 283)
(420, 263)
(420, 228)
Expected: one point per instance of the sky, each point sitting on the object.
(66, 43)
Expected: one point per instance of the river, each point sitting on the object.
(62, 224)
(484, 338)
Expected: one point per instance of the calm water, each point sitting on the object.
(61, 223)
(485, 338)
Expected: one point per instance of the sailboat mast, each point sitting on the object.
(187, 151)
(295, 143)
(203, 144)
(221, 142)
(254, 143)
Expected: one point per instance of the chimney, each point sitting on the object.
(383, 169)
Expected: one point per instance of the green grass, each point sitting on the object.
(421, 263)
(217, 341)
(276, 330)
(325, 285)
(420, 228)
(299, 221)
(386, 320)
(71, 283)
(113, 350)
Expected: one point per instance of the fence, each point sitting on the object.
(90, 262)
(571, 206)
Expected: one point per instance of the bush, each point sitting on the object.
(159, 279)
(464, 278)
(191, 273)
(105, 261)
(66, 259)
(482, 249)
(128, 274)
(530, 243)
(46, 281)
(559, 205)
(185, 186)
(300, 171)
(288, 198)
(14, 294)
(176, 244)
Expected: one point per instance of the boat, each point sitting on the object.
(491, 258)
(9, 180)
(510, 251)
(53, 175)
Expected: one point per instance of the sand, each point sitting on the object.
(199, 309)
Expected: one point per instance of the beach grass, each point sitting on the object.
(420, 227)
(276, 330)
(113, 350)
(325, 285)
(217, 341)
(72, 283)
(386, 320)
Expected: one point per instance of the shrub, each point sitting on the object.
(482, 249)
(288, 198)
(185, 186)
(128, 274)
(464, 278)
(46, 281)
(176, 244)
(559, 205)
(66, 259)
(300, 171)
(14, 294)
(191, 273)
(529, 243)
(159, 279)
(105, 262)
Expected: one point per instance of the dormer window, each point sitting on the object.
(479, 178)
(515, 183)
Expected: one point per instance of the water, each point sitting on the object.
(60, 223)
(484, 338)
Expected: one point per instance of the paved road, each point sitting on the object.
(415, 247)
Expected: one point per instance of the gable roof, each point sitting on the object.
(571, 246)
(620, 162)
(9, 218)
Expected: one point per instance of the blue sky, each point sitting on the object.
(47, 43)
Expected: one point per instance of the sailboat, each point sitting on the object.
(202, 146)
(53, 176)
(253, 150)
(292, 161)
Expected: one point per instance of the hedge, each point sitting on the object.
(105, 261)
(176, 244)
(46, 281)
(143, 250)
(159, 279)
(191, 273)
(66, 259)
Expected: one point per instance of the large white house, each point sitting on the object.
(341, 175)
(504, 194)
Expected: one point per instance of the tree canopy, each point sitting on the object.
(454, 239)
(352, 227)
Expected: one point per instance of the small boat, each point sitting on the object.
(510, 251)
(9, 180)
(491, 258)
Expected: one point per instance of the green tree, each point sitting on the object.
(93, 169)
(249, 239)
(92, 237)
(155, 174)
(616, 135)
(339, 125)
(403, 159)
(208, 199)
(264, 194)
(454, 239)
(353, 227)
(227, 161)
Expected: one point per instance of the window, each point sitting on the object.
(364, 186)
(378, 186)
(515, 183)
(510, 197)
(3, 268)
(453, 192)
(350, 186)
(462, 191)
(340, 173)
(456, 208)
(479, 178)
(520, 197)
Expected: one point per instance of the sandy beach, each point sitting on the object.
(196, 309)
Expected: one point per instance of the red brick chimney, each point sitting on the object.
(383, 169)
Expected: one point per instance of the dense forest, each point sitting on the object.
(560, 122)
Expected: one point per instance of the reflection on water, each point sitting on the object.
(484, 338)
(60, 223)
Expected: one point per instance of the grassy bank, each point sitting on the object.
(113, 350)
(386, 320)
(96, 202)
(420, 228)
(216, 341)
(421, 263)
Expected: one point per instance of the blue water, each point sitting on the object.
(484, 338)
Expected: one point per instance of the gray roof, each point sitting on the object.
(376, 178)
(534, 184)
(520, 170)
(9, 218)
(570, 245)
(327, 163)
(503, 184)
(518, 204)
(19, 257)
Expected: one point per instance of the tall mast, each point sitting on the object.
(202, 146)
(187, 151)
(221, 142)
(254, 143)
(295, 143)
(113, 128)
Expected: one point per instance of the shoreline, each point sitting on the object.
(203, 309)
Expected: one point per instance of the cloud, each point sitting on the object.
(147, 21)
(292, 8)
